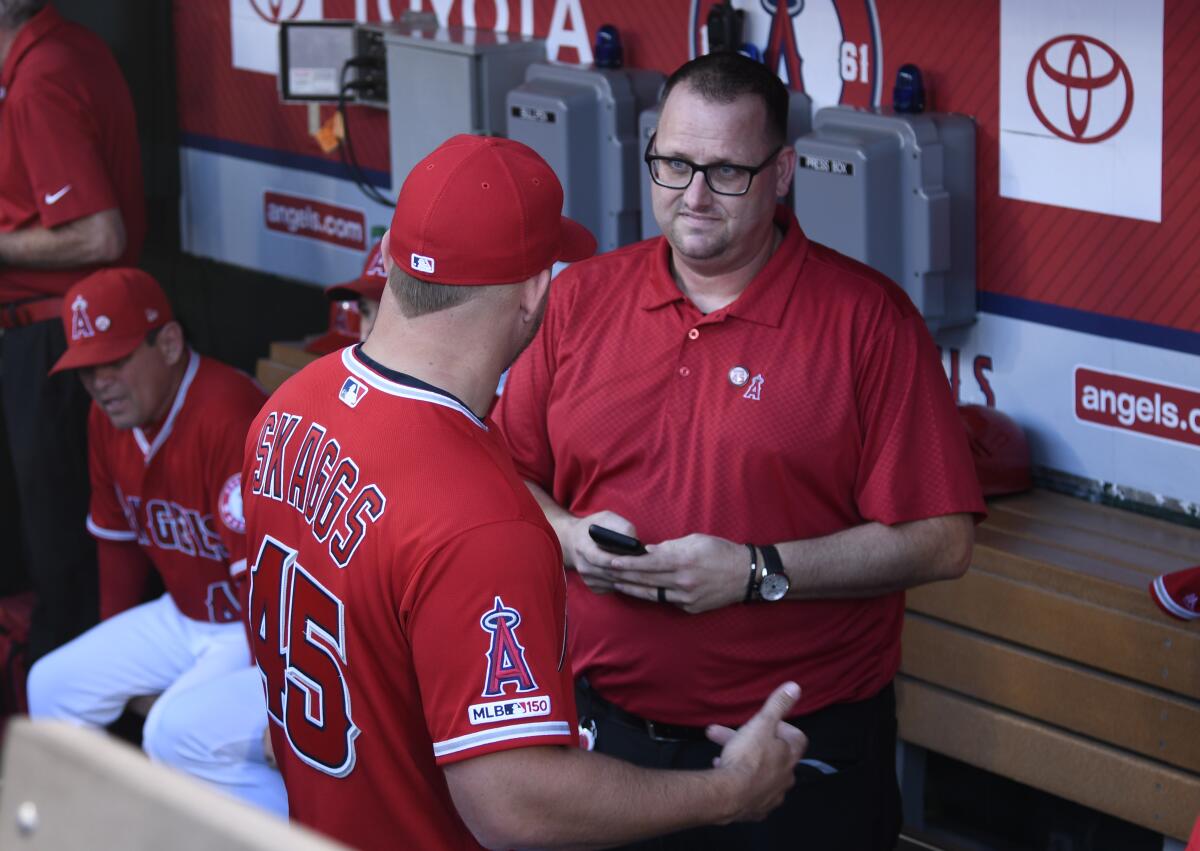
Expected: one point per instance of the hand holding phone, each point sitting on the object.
(615, 542)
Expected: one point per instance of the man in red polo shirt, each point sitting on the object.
(772, 418)
(70, 202)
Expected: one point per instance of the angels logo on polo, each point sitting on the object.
(229, 505)
(754, 391)
(352, 392)
(505, 655)
(81, 323)
(829, 49)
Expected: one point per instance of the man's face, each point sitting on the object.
(702, 226)
(368, 309)
(133, 390)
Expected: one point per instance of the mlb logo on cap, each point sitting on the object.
(423, 264)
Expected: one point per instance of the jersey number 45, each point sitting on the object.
(299, 639)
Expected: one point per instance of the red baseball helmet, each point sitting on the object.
(999, 448)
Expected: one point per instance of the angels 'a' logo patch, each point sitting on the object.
(81, 323)
(230, 504)
(505, 655)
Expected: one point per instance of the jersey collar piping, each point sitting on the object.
(150, 449)
(401, 384)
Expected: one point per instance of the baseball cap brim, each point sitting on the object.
(349, 291)
(95, 354)
(577, 242)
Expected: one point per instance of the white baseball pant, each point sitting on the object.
(211, 714)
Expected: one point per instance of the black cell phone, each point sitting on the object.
(615, 542)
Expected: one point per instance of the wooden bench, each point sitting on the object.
(1049, 664)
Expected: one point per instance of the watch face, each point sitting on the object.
(774, 586)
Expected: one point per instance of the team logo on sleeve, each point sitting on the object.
(81, 324)
(230, 505)
(352, 392)
(505, 655)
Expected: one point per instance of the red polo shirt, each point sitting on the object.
(813, 403)
(68, 145)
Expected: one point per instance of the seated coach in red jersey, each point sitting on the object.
(164, 439)
(70, 202)
(773, 420)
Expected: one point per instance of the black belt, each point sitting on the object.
(18, 314)
(656, 730)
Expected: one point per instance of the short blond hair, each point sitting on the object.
(418, 298)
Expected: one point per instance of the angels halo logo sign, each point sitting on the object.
(829, 49)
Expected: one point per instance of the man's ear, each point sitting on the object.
(170, 343)
(533, 292)
(785, 169)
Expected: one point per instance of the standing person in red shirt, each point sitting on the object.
(773, 419)
(165, 437)
(70, 202)
(408, 600)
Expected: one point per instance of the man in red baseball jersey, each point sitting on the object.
(70, 202)
(366, 290)
(408, 602)
(164, 436)
(357, 319)
(773, 419)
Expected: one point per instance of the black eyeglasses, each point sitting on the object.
(722, 178)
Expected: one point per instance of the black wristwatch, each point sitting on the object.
(775, 583)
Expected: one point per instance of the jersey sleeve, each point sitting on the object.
(108, 517)
(521, 412)
(224, 475)
(124, 568)
(916, 462)
(59, 141)
(488, 635)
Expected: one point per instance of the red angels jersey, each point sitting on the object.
(407, 605)
(176, 489)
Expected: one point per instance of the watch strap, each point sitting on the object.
(771, 559)
(752, 583)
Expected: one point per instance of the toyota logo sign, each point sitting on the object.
(274, 11)
(1080, 89)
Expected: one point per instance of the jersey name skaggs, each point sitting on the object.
(319, 482)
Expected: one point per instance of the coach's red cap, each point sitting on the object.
(369, 284)
(107, 315)
(482, 210)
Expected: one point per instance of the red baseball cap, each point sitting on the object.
(107, 315)
(483, 210)
(369, 284)
(1178, 593)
